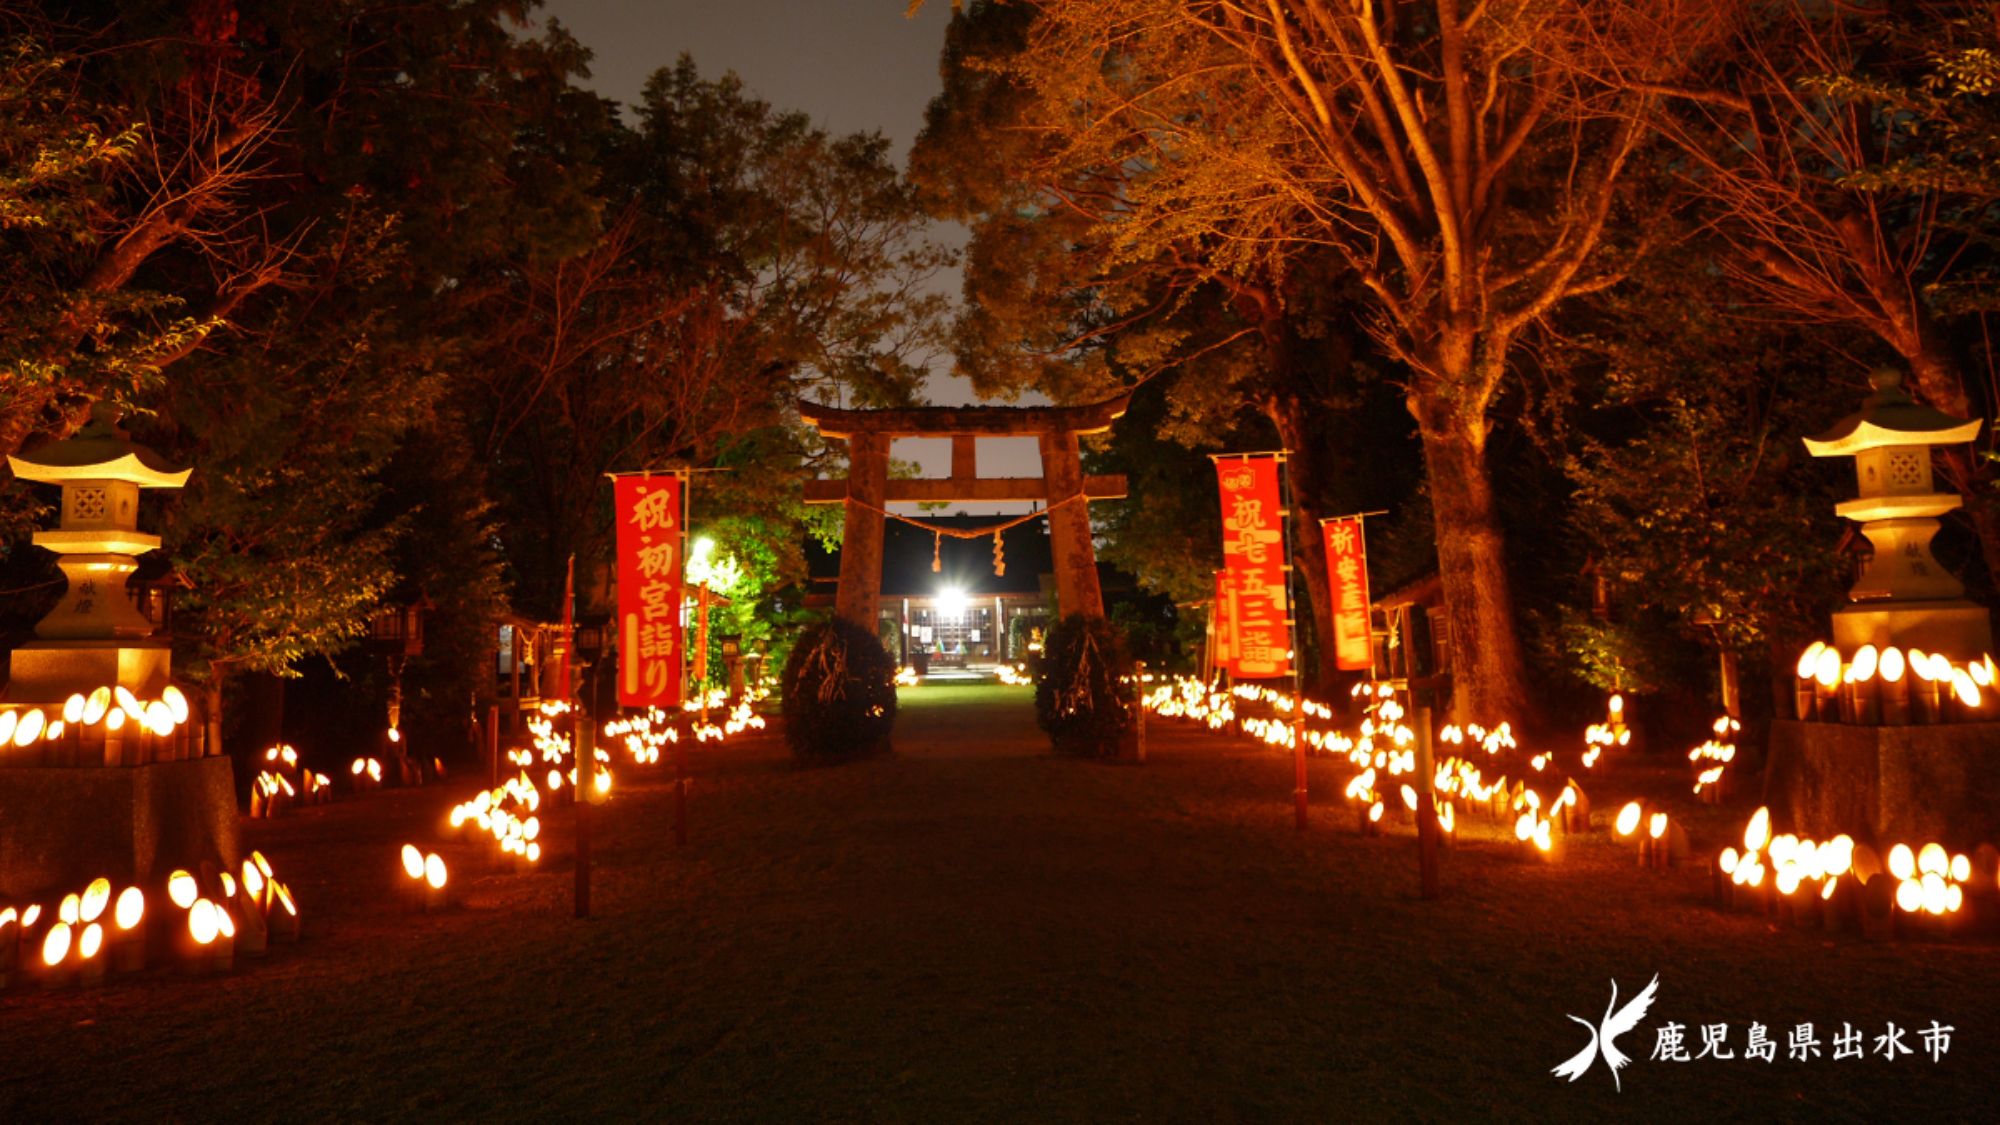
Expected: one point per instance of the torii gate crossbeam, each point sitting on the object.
(868, 491)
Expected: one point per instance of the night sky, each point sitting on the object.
(853, 65)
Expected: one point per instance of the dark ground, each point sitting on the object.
(973, 930)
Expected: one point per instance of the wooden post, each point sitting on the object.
(680, 793)
(1732, 694)
(582, 727)
(493, 741)
(1427, 825)
(1077, 587)
(860, 589)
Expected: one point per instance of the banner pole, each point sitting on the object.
(680, 744)
(1288, 501)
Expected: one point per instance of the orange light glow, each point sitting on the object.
(1809, 660)
(95, 707)
(1892, 665)
(1628, 818)
(72, 711)
(1863, 668)
(1828, 672)
(1758, 832)
(1932, 860)
(95, 898)
(1657, 825)
(131, 907)
(177, 704)
(55, 945)
(202, 924)
(1910, 896)
(1902, 862)
(71, 910)
(413, 861)
(93, 940)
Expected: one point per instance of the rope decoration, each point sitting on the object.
(939, 531)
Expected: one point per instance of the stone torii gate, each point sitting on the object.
(868, 491)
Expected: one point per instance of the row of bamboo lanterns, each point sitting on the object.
(93, 933)
(1840, 884)
(1889, 687)
(131, 731)
(1382, 750)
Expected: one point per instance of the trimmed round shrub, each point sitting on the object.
(1082, 697)
(840, 693)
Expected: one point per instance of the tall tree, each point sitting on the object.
(1846, 153)
(744, 257)
(1461, 160)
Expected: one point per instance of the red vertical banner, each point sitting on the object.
(649, 590)
(1253, 550)
(1222, 624)
(1347, 581)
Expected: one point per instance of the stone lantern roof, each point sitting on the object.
(1890, 417)
(99, 451)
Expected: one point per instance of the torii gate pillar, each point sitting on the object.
(1077, 588)
(859, 597)
(868, 490)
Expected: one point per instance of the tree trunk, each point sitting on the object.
(1489, 674)
(1308, 548)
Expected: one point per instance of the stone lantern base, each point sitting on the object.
(61, 828)
(1886, 784)
(1959, 629)
(48, 672)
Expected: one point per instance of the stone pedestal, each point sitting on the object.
(48, 672)
(1955, 628)
(61, 828)
(1886, 785)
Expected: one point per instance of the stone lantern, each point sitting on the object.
(95, 635)
(1904, 598)
(1865, 767)
(128, 788)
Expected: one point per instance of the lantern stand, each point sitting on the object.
(1422, 685)
(398, 634)
(590, 644)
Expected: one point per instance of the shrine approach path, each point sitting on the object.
(971, 930)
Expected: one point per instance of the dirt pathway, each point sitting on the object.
(971, 930)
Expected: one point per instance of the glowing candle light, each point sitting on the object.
(1902, 862)
(30, 727)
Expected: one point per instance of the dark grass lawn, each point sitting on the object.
(973, 930)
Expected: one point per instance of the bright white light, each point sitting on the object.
(951, 603)
(704, 568)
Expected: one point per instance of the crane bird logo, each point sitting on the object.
(1604, 1036)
